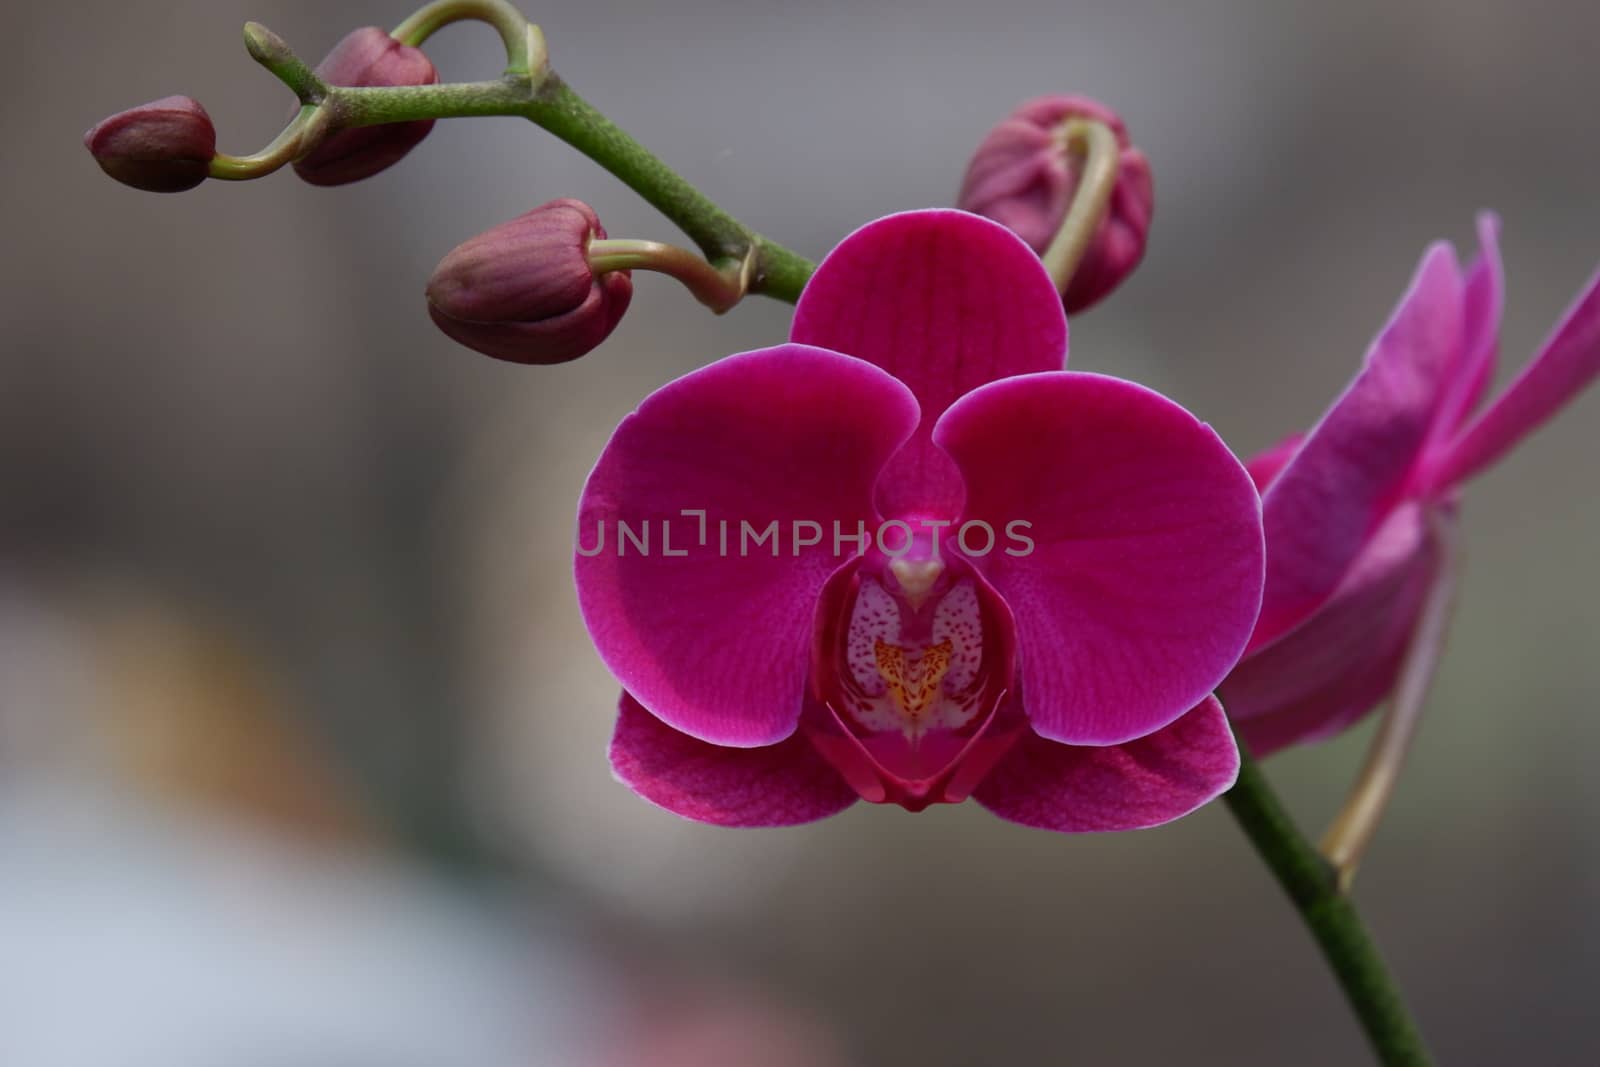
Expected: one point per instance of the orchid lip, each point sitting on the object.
(911, 660)
(876, 784)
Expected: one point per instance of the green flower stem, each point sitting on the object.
(508, 22)
(270, 50)
(775, 271)
(295, 141)
(1312, 887)
(531, 90)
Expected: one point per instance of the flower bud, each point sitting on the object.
(1023, 176)
(525, 292)
(368, 56)
(164, 146)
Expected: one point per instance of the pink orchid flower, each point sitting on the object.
(1052, 654)
(1351, 508)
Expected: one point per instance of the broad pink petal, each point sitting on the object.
(1568, 362)
(1142, 783)
(1339, 664)
(778, 785)
(945, 301)
(715, 641)
(1145, 575)
(1359, 459)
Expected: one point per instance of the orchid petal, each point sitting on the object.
(945, 301)
(1359, 459)
(1145, 573)
(713, 636)
(1143, 783)
(1567, 363)
(862, 730)
(777, 785)
(1342, 662)
(1483, 301)
(1264, 467)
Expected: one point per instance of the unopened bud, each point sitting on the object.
(368, 57)
(525, 292)
(164, 146)
(1024, 177)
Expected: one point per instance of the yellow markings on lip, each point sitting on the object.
(913, 679)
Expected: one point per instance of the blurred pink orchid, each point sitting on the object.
(1065, 686)
(1353, 509)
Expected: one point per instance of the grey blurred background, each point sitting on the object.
(225, 419)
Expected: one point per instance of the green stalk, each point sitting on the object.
(1312, 886)
(777, 272)
(531, 90)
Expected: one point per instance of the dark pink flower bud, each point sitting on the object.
(525, 292)
(164, 146)
(1023, 177)
(368, 56)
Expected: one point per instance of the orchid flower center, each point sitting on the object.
(913, 656)
(913, 653)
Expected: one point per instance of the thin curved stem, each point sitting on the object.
(717, 286)
(1331, 917)
(303, 131)
(508, 22)
(1353, 828)
(1098, 145)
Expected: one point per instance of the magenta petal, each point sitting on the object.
(1145, 575)
(1142, 783)
(715, 640)
(1568, 362)
(1359, 459)
(1264, 467)
(778, 785)
(945, 301)
(969, 759)
(1343, 661)
(1483, 301)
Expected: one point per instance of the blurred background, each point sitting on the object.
(302, 739)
